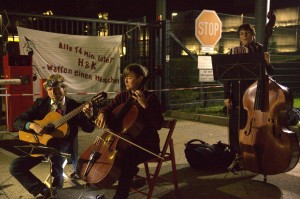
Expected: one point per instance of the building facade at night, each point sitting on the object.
(285, 38)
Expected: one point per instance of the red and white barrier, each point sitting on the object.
(94, 93)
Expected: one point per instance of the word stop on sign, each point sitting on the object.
(208, 28)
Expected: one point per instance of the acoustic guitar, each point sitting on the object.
(55, 124)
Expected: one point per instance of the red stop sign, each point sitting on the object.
(208, 28)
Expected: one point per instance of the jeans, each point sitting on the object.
(74, 152)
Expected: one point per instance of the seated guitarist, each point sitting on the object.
(20, 167)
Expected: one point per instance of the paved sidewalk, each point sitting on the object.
(193, 184)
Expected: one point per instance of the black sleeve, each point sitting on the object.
(35, 112)
(153, 113)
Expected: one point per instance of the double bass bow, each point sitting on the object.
(99, 165)
(267, 145)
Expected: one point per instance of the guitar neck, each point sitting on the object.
(76, 111)
(68, 116)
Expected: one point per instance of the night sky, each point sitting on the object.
(132, 9)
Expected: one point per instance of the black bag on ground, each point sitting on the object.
(201, 155)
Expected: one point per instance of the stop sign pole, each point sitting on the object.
(208, 29)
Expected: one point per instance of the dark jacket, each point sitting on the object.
(234, 90)
(41, 107)
(151, 118)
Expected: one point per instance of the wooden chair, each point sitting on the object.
(167, 153)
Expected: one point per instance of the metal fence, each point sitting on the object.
(139, 42)
(154, 45)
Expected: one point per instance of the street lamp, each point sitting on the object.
(174, 14)
(49, 12)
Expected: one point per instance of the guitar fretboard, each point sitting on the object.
(68, 116)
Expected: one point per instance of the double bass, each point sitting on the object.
(267, 145)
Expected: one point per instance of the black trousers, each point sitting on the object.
(21, 166)
(129, 161)
(236, 123)
(20, 169)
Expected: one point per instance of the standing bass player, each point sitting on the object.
(234, 90)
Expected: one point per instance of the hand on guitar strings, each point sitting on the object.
(37, 128)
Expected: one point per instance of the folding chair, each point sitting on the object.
(167, 153)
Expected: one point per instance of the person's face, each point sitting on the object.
(55, 93)
(246, 37)
(132, 82)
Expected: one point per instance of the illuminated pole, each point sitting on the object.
(261, 9)
(160, 10)
(162, 47)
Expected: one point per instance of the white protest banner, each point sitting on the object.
(89, 64)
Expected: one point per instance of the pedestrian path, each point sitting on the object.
(193, 184)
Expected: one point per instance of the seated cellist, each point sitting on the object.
(150, 114)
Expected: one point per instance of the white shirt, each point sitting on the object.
(62, 104)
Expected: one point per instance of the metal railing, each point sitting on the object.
(152, 45)
(138, 42)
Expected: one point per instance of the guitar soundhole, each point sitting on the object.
(49, 128)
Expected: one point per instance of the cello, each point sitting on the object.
(99, 164)
(267, 145)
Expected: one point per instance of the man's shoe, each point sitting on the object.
(58, 183)
(46, 194)
(100, 197)
(74, 176)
